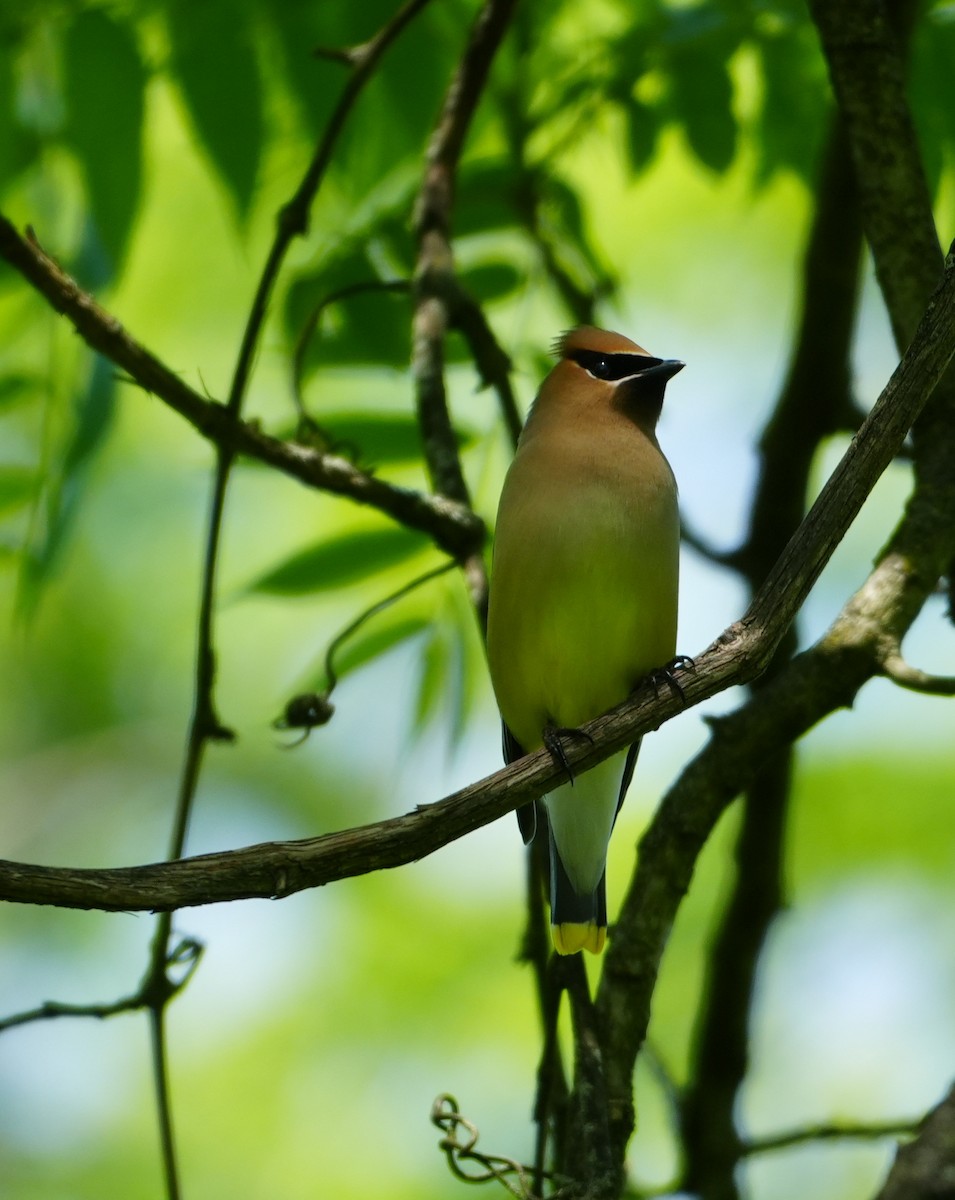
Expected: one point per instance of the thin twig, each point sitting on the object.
(160, 1060)
(828, 1132)
(311, 709)
(446, 1116)
(589, 1154)
(435, 263)
(307, 332)
(550, 1098)
(185, 956)
(204, 723)
(895, 667)
(294, 216)
(52, 1009)
(492, 362)
(434, 271)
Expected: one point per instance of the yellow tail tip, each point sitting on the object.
(571, 937)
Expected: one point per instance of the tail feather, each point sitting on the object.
(581, 817)
(579, 922)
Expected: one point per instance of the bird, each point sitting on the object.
(582, 604)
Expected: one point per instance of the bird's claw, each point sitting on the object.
(553, 743)
(667, 675)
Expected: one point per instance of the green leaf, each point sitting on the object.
(701, 100)
(105, 80)
(18, 486)
(301, 26)
(433, 681)
(486, 198)
(371, 328)
(564, 202)
(643, 127)
(93, 415)
(933, 90)
(399, 103)
(791, 121)
(94, 410)
(215, 64)
(376, 439)
(8, 133)
(340, 561)
(492, 281)
(16, 388)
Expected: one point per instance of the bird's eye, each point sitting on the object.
(612, 366)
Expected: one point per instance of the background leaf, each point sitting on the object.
(933, 90)
(105, 80)
(17, 388)
(215, 65)
(341, 560)
(492, 281)
(381, 439)
(792, 114)
(17, 487)
(63, 485)
(701, 100)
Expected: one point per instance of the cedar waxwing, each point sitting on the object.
(583, 597)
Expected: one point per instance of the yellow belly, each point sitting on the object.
(583, 604)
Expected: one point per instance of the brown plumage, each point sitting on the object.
(584, 588)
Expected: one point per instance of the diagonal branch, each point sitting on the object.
(925, 1167)
(897, 220)
(813, 685)
(452, 526)
(811, 405)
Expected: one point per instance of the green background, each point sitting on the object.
(677, 146)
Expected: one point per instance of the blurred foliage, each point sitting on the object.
(150, 144)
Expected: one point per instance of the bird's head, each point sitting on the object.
(608, 366)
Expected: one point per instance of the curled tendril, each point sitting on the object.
(304, 712)
(459, 1142)
(184, 955)
(311, 325)
(312, 709)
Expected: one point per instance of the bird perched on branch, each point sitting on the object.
(583, 599)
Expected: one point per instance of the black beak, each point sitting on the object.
(664, 370)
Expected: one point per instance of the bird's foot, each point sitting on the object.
(553, 742)
(667, 675)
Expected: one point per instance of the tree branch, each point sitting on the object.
(868, 77)
(836, 1131)
(434, 273)
(813, 685)
(435, 280)
(895, 667)
(924, 1169)
(810, 405)
(452, 526)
